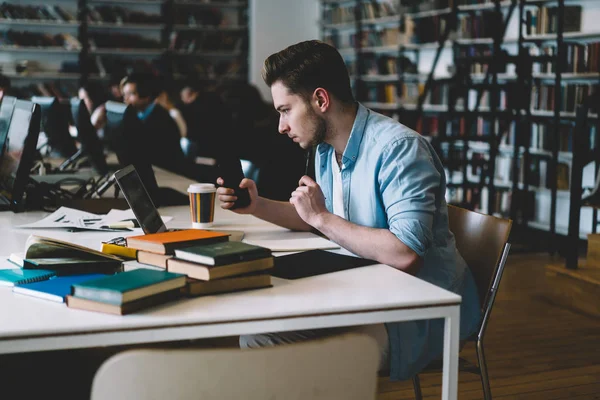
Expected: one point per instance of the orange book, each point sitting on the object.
(167, 242)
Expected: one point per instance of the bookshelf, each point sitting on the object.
(502, 116)
(52, 47)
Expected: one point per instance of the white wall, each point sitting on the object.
(274, 25)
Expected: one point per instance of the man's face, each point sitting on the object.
(188, 95)
(297, 119)
(131, 97)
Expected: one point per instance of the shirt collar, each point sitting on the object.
(356, 134)
(144, 114)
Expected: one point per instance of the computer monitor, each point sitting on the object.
(115, 113)
(6, 110)
(18, 153)
(91, 146)
(55, 117)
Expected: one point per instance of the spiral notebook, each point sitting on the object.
(17, 276)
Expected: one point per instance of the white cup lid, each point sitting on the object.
(201, 188)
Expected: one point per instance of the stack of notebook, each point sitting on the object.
(126, 292)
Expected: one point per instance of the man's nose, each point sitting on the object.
(283, 127)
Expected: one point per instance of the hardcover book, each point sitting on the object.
(156, 260)
(258, 280)
(72, 266)
(167, 242)
(210, 272)
(129, 286)
(125, 308)
(65, 258)
(222, 253)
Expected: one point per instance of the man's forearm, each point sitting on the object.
(372, 243)
(280, 213)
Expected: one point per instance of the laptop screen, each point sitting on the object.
(138, 199)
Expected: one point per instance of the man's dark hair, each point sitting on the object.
(145, 84)
(4, 82)
(308, 65)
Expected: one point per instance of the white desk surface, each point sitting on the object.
(369, 288)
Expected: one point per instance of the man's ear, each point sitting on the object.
(321, 99)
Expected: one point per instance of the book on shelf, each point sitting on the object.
(222, 253)
(156, 260)
(125, 308)
(254, 280)
(167, 242)
(129, 286)
(17, 276)
(210, 272)
(55, 288)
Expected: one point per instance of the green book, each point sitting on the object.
(222, 253)
(17, 276)
(129, 286)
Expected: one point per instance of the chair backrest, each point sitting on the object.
(342, 367)
(481, 240)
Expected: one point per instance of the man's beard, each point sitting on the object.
(320, 130)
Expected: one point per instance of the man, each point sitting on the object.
(158, 138)
(379, 193)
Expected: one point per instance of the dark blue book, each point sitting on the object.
(56, 288)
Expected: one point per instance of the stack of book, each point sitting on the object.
(212, 263)
(222, 267)
(126, 292)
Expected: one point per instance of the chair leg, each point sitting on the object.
(485, 380)
(417, 387)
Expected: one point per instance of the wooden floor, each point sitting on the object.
(534, 350)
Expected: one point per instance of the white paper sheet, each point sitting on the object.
(70, 218)
(289, 241)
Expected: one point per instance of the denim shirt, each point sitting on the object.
(392, 179)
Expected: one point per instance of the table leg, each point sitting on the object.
(451, 339)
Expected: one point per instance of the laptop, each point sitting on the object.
(139, 200)
(144, 209)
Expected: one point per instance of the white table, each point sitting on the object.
(360, 296)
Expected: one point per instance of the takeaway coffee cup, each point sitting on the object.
(202, 204)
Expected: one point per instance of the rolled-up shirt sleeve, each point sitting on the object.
(409, 181)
